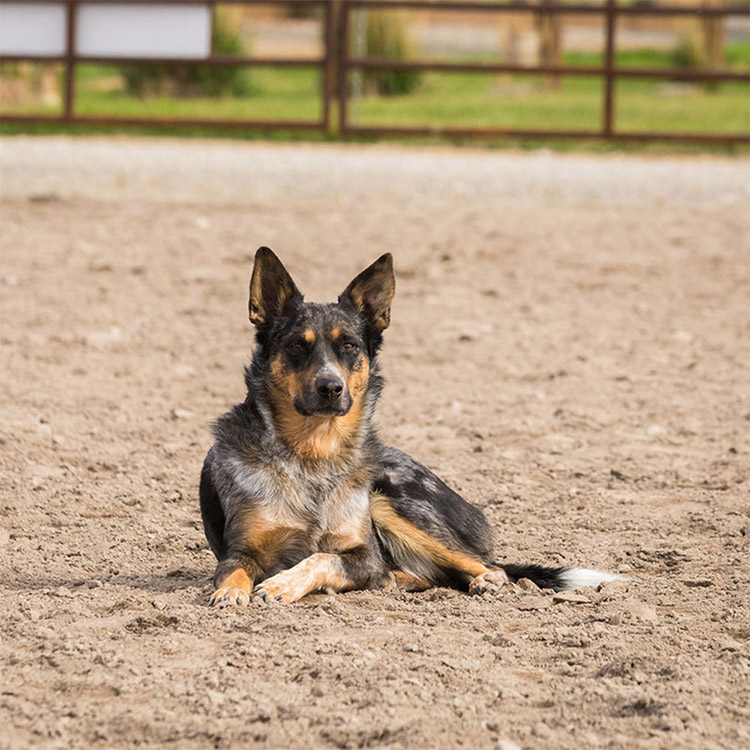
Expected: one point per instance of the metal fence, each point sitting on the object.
(337, 63)
(71, 59)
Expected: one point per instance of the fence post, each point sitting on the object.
(343, 59)
(550, 27)
(713, 37)
(70, 69)
(329, 66)
(609, 67)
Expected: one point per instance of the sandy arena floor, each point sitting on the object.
(569, 349)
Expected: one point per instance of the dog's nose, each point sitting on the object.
(329, 388)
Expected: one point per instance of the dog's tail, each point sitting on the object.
(559, 579)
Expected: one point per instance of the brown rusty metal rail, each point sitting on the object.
(70, 59)
(609, 71)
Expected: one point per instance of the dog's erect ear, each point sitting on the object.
(371, 292)
(271, 287)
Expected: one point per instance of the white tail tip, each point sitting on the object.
(577, 578)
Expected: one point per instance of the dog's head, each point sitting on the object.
(319, 355)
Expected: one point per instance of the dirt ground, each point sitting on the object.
(569, 350)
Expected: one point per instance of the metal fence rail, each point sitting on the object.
(337, 63)
(609, 71)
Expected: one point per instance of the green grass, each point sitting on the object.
(528, 102)
(737, 58)
(644, 105)
(484, 100)
(277, 94)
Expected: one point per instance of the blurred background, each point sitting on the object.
(296, 58)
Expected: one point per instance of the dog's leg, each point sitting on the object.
(233, 580)
(408, 582)
(358, 568)
(414, 549)
(211, 511)
(489, 581)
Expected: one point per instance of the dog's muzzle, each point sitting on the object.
(328, 396)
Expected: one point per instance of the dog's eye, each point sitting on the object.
(299, 345)
(349, 347)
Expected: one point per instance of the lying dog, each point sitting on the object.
(298, 494)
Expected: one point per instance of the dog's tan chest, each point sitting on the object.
(287, 509)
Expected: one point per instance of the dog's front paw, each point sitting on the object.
(224, 597)
(234, 588)
(492, 580)
(281, 588)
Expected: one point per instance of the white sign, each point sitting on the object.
(32, 29)
(141, 30)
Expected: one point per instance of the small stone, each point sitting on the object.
(669, 724)
(698, 583)
(171, 448)
(37, 482)
(655, 430)
(506, 745)
(181, 414)
(730, 645)
(541, 730)
(62, 591)
(531, 603)
(588, 739)
(642, 612)
(105, 338)
(98, 265)
(44, 198)
(570, 598)
(264, 713)
(527, 584)
(183, 372)
(608, 587)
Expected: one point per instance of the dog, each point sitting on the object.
(298, 494)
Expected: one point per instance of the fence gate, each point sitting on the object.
(65, 31)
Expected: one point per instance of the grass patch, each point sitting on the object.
(447, 99)
(486, 100)
(277, 94)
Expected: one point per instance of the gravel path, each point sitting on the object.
(219, 172)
